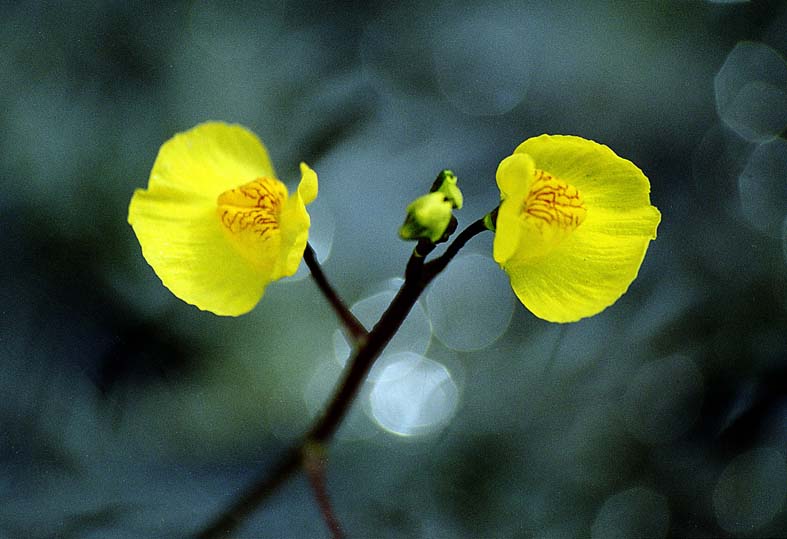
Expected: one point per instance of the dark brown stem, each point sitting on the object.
(250, 499)
(437, 265)
(314, 460)
(362, 361)
(351, 324)
(417, 277)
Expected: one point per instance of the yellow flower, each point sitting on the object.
(573, 226)
(215, 223)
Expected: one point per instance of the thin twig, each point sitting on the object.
(417, 278)
(437, 265)
(314, 460)
(251, 498)
(352, 325)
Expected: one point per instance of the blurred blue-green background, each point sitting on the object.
(126, 413)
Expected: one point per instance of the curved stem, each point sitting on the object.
(417, 278)
(351, 324)
(436, 266)
(252, 497)
(314, 461)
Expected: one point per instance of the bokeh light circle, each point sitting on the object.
(751, 91)
(412, 395)
(750, 490)
(470, 304)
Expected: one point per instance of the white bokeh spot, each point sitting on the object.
(412, 395)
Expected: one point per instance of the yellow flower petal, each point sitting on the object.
(585, 275)
(642, 221)
(509, 221)
(604, 179)
(573, 253)
(515, 174)
(307, 189)
(211, 158)
(514, 177)
(295, 224)
(215, 224)
(184, 242)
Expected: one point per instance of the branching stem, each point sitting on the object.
(314, 460)
(369, 345)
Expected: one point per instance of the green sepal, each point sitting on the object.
(446, 184)
(490, 220)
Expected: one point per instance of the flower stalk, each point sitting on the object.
(352, 326)
(417, 277)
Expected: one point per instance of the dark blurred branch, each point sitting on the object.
(253, 496)
(352, 325)
(417, 277)
(314, 460)
(436, 266)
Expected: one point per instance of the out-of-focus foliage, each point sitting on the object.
(127, 413)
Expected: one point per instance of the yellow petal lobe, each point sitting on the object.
(307, 189)
(515, 174)
(295, 224)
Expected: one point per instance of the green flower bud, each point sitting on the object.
(446, 184)
(428, 217)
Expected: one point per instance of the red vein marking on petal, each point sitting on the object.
(553, 202)
(253, 207)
